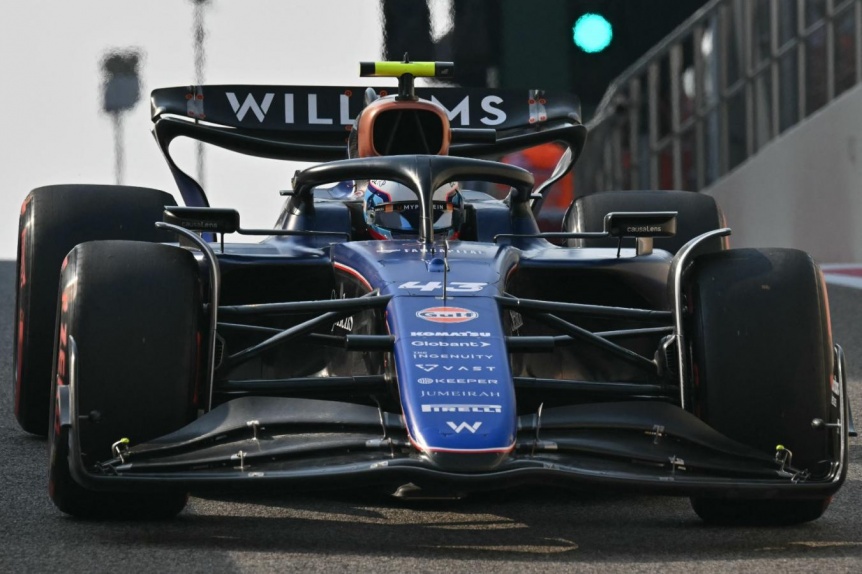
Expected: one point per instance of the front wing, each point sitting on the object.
(310, 444)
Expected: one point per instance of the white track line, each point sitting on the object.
(846, 275)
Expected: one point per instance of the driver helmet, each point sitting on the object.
(392, 210)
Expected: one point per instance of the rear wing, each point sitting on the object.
(311, 123)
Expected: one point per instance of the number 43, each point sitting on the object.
(454, 286)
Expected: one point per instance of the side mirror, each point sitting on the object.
(203, 219)
(641, 224)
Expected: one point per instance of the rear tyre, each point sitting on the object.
(132, 310)
(697, 214)
(53, 220)
(762, 366)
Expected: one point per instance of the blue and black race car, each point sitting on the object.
(403, 329)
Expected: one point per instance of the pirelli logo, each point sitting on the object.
(462, 408)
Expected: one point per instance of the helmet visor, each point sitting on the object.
(406, 216)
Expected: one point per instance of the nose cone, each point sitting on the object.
(465, 438)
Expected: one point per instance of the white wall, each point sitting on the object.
(803, 190)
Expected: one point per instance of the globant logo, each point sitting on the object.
(450, 344)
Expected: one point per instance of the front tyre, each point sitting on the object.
(53, 220)
(762, 368)
(723, 512)
(133, 311)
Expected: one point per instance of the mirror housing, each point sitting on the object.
(203, 219)
(641, 224)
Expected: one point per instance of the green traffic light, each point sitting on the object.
(592, 33)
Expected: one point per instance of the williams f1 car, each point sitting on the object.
(402, 328)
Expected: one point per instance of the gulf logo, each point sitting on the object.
(447, 314)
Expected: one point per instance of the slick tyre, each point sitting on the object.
(53, 220)
(723, 512)
(127, 350)
(762, 368)
(697, 214)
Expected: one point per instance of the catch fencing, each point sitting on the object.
(726, 82)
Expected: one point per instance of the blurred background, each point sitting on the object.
(76, 75)
(756, 102)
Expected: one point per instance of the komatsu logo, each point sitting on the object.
(447, 314)
(459, 427)
(471, 334)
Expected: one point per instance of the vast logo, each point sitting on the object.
(429, 367)
(459, 427)
(447, 314)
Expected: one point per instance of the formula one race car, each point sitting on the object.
(400, 329)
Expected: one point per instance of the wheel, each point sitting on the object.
(725, 512)
(133, 310)
(762, 367)
(697, 214)
(53, 220)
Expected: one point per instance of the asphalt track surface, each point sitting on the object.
(354, 532)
